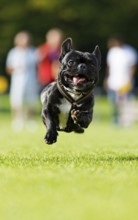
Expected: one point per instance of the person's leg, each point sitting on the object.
(16, 103)
(112, 95)
(126, 109)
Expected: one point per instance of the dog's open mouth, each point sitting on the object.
(80, 79)
(77, 80)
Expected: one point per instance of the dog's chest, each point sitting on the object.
(64, 108)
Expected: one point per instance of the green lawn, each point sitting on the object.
(93, 176)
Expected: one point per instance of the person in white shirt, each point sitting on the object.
(121, 67)
(21, 64)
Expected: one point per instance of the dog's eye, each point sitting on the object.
(71, 62)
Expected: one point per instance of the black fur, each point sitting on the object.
(73, 90)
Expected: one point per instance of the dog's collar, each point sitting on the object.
(69, 97)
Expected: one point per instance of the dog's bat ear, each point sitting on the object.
(66, 47)
(97, 53)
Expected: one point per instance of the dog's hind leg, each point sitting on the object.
(78, 129)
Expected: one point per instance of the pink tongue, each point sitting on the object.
(78, 80)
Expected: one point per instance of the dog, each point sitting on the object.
(67, 103)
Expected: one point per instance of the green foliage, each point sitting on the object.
(81, 177)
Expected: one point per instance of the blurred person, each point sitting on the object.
(21, 64)
(119, 82)
(48, 54)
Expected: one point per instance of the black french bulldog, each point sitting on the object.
(68, 102)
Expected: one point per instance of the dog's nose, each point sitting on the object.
(82, 66)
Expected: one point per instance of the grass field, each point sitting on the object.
(93, 176)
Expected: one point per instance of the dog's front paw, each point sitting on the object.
(51, 137)
(81, 118)
(75, 114)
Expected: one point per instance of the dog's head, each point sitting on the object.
(79, 70)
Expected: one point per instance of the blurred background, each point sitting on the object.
(88, 22)
(89, 176)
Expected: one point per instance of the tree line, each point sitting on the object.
(88, 22)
